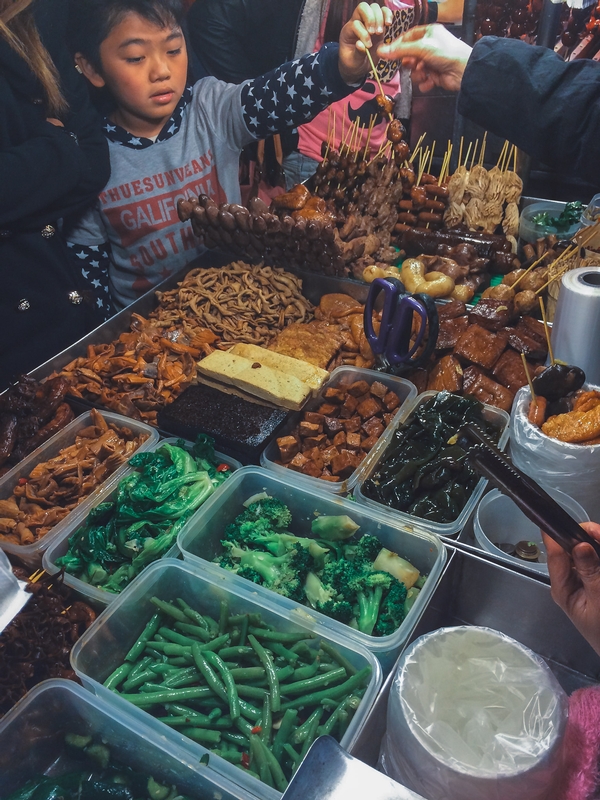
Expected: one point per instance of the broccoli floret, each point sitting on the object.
(248, 573)
(283, 574)
(370, 590)
(365, 550)
(392, 612)
(325, 599)
(260, 523)
(273, 510)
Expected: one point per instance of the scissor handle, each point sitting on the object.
(398, 350)
(392, 289)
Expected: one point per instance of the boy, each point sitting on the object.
(169, 141)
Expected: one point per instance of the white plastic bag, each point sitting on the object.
(571, 468)
(12, 593)
(474, 715)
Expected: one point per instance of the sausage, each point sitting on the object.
(259, 225)
(401, 227)
(427, 178)
(406, 205)
(436, 190)
(8, 436)
(212, 215)
(199, 216)
(537, 411)
(435, 205)
(243, 220)
(407, 176)
(64, 415)
(418, 196)
(406, 217)
(430, 217)
(226, 220)
(402, 150)
(184, 209)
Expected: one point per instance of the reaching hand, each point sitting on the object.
(575, 583)
(436, 57)
(364, 31)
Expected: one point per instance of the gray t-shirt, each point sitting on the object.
(137, 211)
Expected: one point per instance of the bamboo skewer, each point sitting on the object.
(502, 152)
(482, 153)
(417, 148)
(529, 381)
(567, 253)
(460, 151)
(466, 161)
(474, 153)
(547, 331)
(528, 270)
(374, 70)
(372, 120)
(431, 159)
(514, 158)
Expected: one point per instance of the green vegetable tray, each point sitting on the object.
(32, 743)
(100, 598)
(104, 646)
(200, 542)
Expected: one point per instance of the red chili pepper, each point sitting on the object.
(22, 481)
(245, 760)
(256, 729)
(222, 468)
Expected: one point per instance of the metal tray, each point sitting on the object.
(475, 591)
(329, 773)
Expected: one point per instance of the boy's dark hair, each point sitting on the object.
(91, 21)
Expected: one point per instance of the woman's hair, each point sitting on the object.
(339, 13)
(93, 20)
(17, 27)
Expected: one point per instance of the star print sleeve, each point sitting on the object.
(293, 93)
(91, 264)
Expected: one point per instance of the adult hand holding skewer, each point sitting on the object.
(365, 30)
(436, 57)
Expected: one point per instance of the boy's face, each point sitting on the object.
(145, 68)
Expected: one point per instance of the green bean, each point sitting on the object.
(170, 696)
(204, 735)
(251, 691)
(259, 760)
(284, 673)
(197, 720)
(233, 756)
(158, 637)
(150, 651)
(166, 669)
(213, 627)
(236, 652)
(253, 619)
(244, 629)
(169, 609)
(139, 680)
(281, 650)
(302, 650)
(152, 687)
(118, 676)
(208, 674)
(236, 738)
(332, 692)
(312, 733)
(189, 675)
(266, 721)
(223, 617)
(301, 732)
(138, 648)
(141, 665)
(177, 638)
(273, 680)
(311, 684)
(232, 695)
(309, 671)
(194, 630)
(294, 757)
(247, 673)
(171, 649)
(336, 656)
(216, 644)
(285, 730)
(244, 727)
(275, 767)
(277, 636)
(327, 728)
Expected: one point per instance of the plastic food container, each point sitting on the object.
(31, 554)
(200, 542)
(32, 735)
(104, 646)
(498, 519)
(491, 414)
(60, 544)
(405, 390)
(530, 232)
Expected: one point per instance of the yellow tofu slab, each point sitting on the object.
(315, 377)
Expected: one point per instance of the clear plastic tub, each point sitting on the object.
(405, 390)
(199, 542)
(60, 544)
(31, 554)
(408, 521)
(530, 231)
(104, 646)
(32, 737)
(498, 519)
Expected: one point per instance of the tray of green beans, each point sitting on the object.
(225, 674)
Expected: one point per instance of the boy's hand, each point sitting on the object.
(364, 31)
(575, 582)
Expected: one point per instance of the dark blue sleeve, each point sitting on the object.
(91, 263)
(548, 108)
(293, 93)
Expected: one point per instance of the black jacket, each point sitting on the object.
(45, 175)
(548, 108)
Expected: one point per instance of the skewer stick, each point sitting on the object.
(466, 161)
(502, 152)
(460, 149)
(474, 153)
(529, 381)
(515, 158)
(547, 331)
(372, 119)
(374, 70)
(482, 153)
(417, 147)
(565, 268)
(528, 270)
(431, 158)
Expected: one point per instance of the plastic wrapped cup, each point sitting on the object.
(474, 715)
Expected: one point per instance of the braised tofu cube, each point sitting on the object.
(316, 456)
(329, 410)
(298, 462)
(480, 346)
(369, 408)
(309, 429)
(373, 427)
(348, 407)
(358, 388)
(311, 469)
(344, 465)
(327, 476)
(352, 425)
(368, 443)
(335, 396)
(450, 332)
(387, 418)
(339, 440)
(391, 401)
(329, 453)
(509, 370)
(446, 376)
(288, 447)
(316, 441)
(379, 389)
(333, 425)
(525, 339)
(353, 441)
(487, 391)
(452, 310)
(312, 416)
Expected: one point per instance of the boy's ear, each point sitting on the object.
(89, 71)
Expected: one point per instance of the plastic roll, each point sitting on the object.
(576, 329)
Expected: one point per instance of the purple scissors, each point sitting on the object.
(392, 345)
